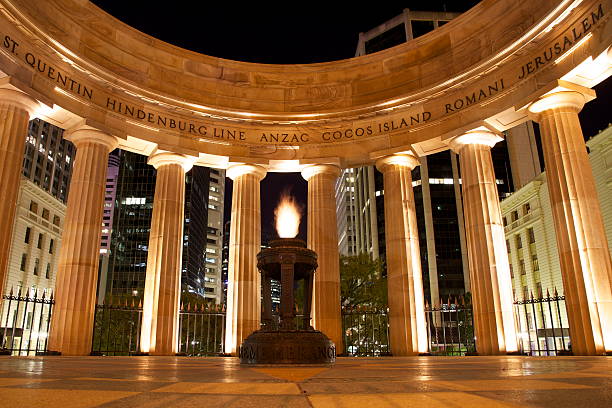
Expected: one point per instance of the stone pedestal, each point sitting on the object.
(489, 267)
(323, 239)
(581, 240)
(407, 328)
(243, 287)
(162, 293)
(77, 272)
(15, 110)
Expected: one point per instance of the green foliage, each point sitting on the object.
(362, 283)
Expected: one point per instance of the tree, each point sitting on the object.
(362, 283)
(364, 304)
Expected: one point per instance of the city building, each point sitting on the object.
(41, 207)
(436, 182)
(133, 206)
(532, 246)
(213, 280)
(36, 241)
(345, 212)
(131, 221)
(37, 228)
(110, 193)
(529, 227)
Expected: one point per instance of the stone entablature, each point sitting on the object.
(476, 69)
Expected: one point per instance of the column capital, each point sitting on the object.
(84, 135)
(21, 99)
(483, 137)
(314, 169)
(564, 99)
(162, 158)
(237, 170)
(404, 159)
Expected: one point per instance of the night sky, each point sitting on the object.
(284, 34)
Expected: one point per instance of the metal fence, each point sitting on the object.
(542, 325)
(450, 328)
(117, 327)
(24, 322)
(202, 329)
(116, 330)
(365, 332)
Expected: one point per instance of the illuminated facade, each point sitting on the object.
(41, 207)
(530, 235)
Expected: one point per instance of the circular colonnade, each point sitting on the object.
(496, 66)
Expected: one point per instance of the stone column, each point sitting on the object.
(15, 110)
(323, 239)
(583, 248)
(162, 292)
(407, 329)
(77, 271)
(243, 280)
(488, 257)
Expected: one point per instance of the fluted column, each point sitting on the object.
(488, 258)
(323, 239)
(581, 239)
(15, 110)
(162, 293)
(77, 271)
(407, 329)
(243, 281)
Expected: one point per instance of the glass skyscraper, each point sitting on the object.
(133, 209)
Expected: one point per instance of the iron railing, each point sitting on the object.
(24, 322)
(365, 332)
(117, 327)
(542, 325)
(202, 329)
(450, 328)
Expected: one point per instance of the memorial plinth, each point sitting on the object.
(293, 340)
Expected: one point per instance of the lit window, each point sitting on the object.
(134, 201)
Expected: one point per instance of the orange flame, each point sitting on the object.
(287, 215)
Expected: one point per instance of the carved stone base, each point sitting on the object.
(287, 347)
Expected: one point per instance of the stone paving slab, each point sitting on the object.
(506, 381)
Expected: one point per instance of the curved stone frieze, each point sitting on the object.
(480, 69)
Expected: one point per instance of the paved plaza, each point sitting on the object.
(351, 382)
